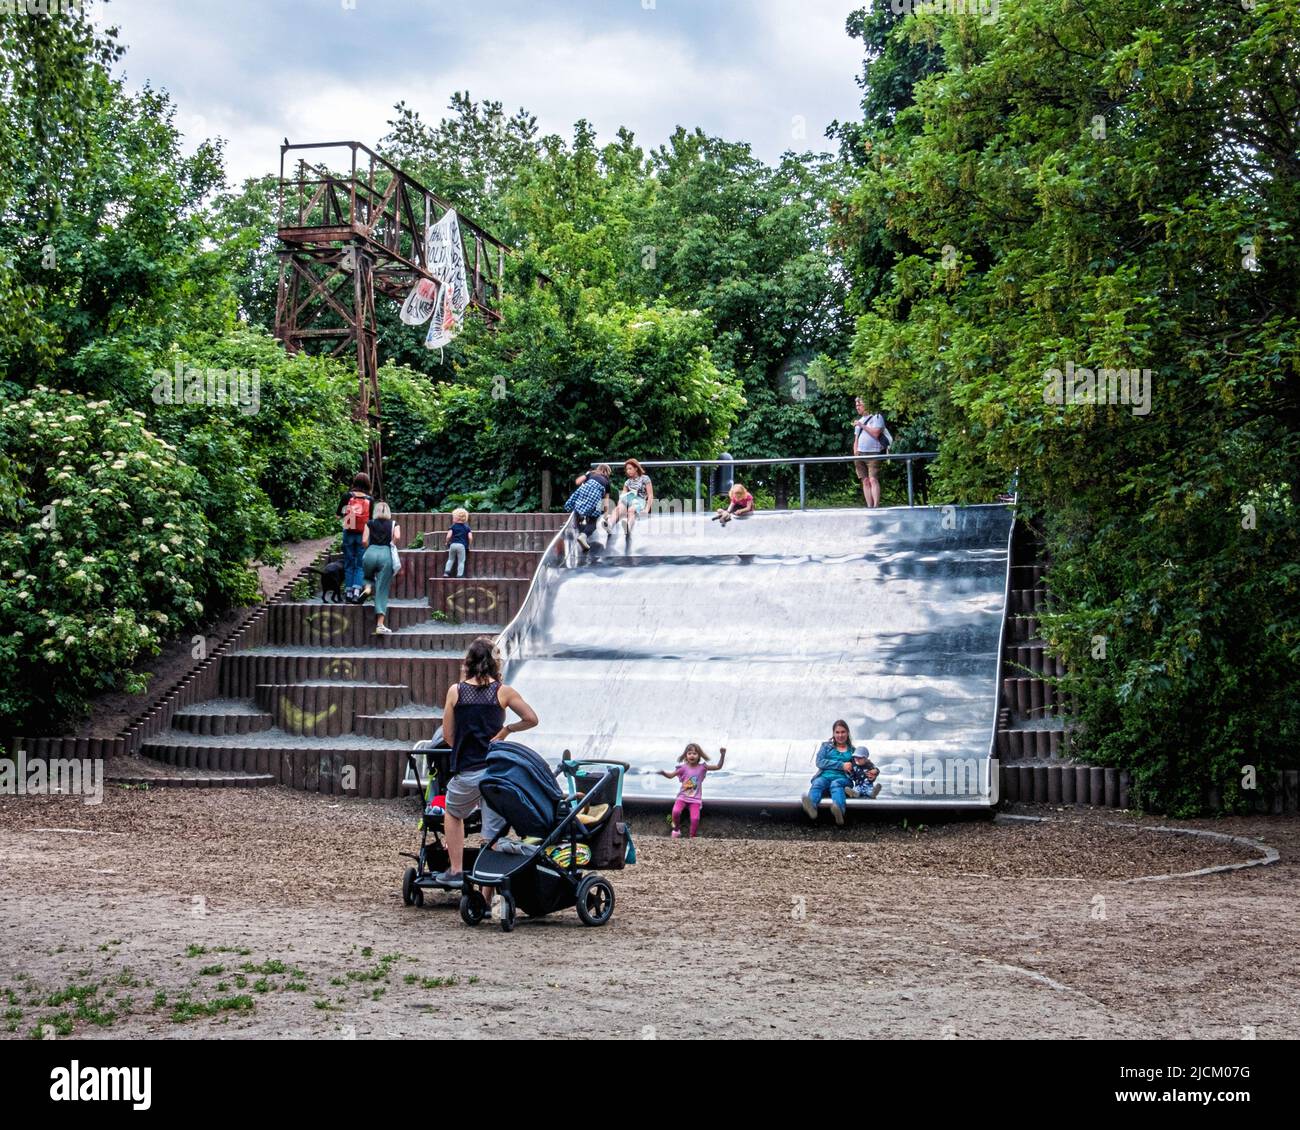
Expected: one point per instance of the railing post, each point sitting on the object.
(803, 486)
(697, 488)
(909, 483)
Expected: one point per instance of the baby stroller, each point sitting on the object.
(432, 856)
(577, 834)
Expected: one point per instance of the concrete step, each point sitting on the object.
(427, 674)
(532, 540)
(314, 623)
(494, 600)
(1027, 744)
(414, 522)
(344, 766)
(1033, 656)
(194, 781)
(421, 565)
(1065, 784)
(1029, 698)
(222, 716)
(1028, 576)
(409, 724)
(1023, 602)
(327, 708)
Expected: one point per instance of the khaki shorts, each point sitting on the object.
(864, 467)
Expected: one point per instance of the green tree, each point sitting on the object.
(470, 158)
(1112, 185)
(102, 215)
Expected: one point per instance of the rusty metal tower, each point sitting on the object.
(348, 233)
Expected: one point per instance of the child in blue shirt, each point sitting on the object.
(459, 540)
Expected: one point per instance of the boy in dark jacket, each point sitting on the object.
(862, 777)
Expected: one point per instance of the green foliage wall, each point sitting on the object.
(1113, 186)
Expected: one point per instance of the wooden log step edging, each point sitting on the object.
(1065, 784)
(359, 772)
(232, 781)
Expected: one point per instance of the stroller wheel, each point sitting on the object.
(411, 894)
(595, 900)
(507, 911)
(472, 908)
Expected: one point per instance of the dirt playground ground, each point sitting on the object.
(228, 913)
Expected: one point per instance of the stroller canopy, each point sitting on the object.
(520, 786)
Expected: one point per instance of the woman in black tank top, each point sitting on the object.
(479, 718)
(473, 717)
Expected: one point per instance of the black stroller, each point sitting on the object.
(432, 857)
(577, 834)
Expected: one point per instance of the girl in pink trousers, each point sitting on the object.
(691, 770)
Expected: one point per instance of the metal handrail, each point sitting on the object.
(801, 461)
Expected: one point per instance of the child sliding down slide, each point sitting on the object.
(740, 504)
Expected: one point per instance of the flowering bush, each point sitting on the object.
(104, 553)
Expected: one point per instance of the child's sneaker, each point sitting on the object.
(875, 790)
(677, 833)
(809, 808)
(582, 541)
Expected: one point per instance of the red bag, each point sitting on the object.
(356, 513)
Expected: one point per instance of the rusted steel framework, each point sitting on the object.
(351, 226)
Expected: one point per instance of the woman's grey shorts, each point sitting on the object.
(463, 795)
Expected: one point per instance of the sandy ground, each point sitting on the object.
(201, 914)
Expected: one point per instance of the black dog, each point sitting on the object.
(331, 580)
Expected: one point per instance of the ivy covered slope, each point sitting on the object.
(1115, 186)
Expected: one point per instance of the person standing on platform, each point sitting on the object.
(870, 437)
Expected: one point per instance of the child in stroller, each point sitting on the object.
(567, 833)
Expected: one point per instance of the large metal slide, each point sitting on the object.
(757, 636)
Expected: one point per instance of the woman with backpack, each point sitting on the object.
(354, 509)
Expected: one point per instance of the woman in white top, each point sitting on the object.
(870, 437)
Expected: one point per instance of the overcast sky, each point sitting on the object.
(770, 72)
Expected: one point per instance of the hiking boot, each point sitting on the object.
(808, 806)
(837, 810)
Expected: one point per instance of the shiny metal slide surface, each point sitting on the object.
(757, 636)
